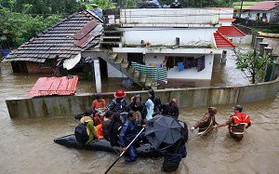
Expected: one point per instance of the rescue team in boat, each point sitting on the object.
(119, 122)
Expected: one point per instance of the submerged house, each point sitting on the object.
(265, 11)
(58, 46)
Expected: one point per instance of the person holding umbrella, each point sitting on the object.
(170, 108)
(128, 132)
(165, 132)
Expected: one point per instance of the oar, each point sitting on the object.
(124, 151)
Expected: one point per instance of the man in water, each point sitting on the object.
(207, 122)
(237, 123)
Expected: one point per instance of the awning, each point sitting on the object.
(70, 63)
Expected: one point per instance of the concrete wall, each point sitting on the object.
(169, 16)
(195, 97)
(167, 36)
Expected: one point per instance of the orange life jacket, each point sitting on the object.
(99, 104)
(239, 118)
(239, 123)
(99, 131)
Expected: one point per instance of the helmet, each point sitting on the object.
(238, 108)
(119, 94)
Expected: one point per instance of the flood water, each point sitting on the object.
(27, 144)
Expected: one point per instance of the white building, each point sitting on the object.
(149, 36)
(265, 11)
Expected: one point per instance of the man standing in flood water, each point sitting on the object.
(237, 123)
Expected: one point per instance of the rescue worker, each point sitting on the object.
(237, 123)
(118, 103)
(170, 108)
(156, 100)
(137, 107)
(128, 132)
(207, 121)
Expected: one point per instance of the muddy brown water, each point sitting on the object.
(26, 145)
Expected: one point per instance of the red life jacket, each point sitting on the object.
(239, 118)
(239, 123)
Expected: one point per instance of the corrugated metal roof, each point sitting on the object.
(265, 5)
(222, 41)
(231, 31)
(92, 34)
(44, 86)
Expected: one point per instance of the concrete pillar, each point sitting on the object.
(261, 47)
(258, 40)
(98, 81)
(224, 57)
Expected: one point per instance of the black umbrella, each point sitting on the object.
(163, 129)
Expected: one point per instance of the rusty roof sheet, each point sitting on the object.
(85, 30)
(44, 86)
(58, 41)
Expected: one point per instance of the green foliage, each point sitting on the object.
(252, 64)
(43, 7)
(245, 3)
(103, 4)
(17, 28)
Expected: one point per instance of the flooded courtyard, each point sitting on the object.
(27, 144)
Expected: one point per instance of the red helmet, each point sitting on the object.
(119, 93)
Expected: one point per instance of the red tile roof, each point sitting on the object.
(265, 5)
(231, 31)
(222, 41)
(54, 86)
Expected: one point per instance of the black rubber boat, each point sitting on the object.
(144, 150)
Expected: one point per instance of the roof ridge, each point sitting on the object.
(239, 30)
(94, 15)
